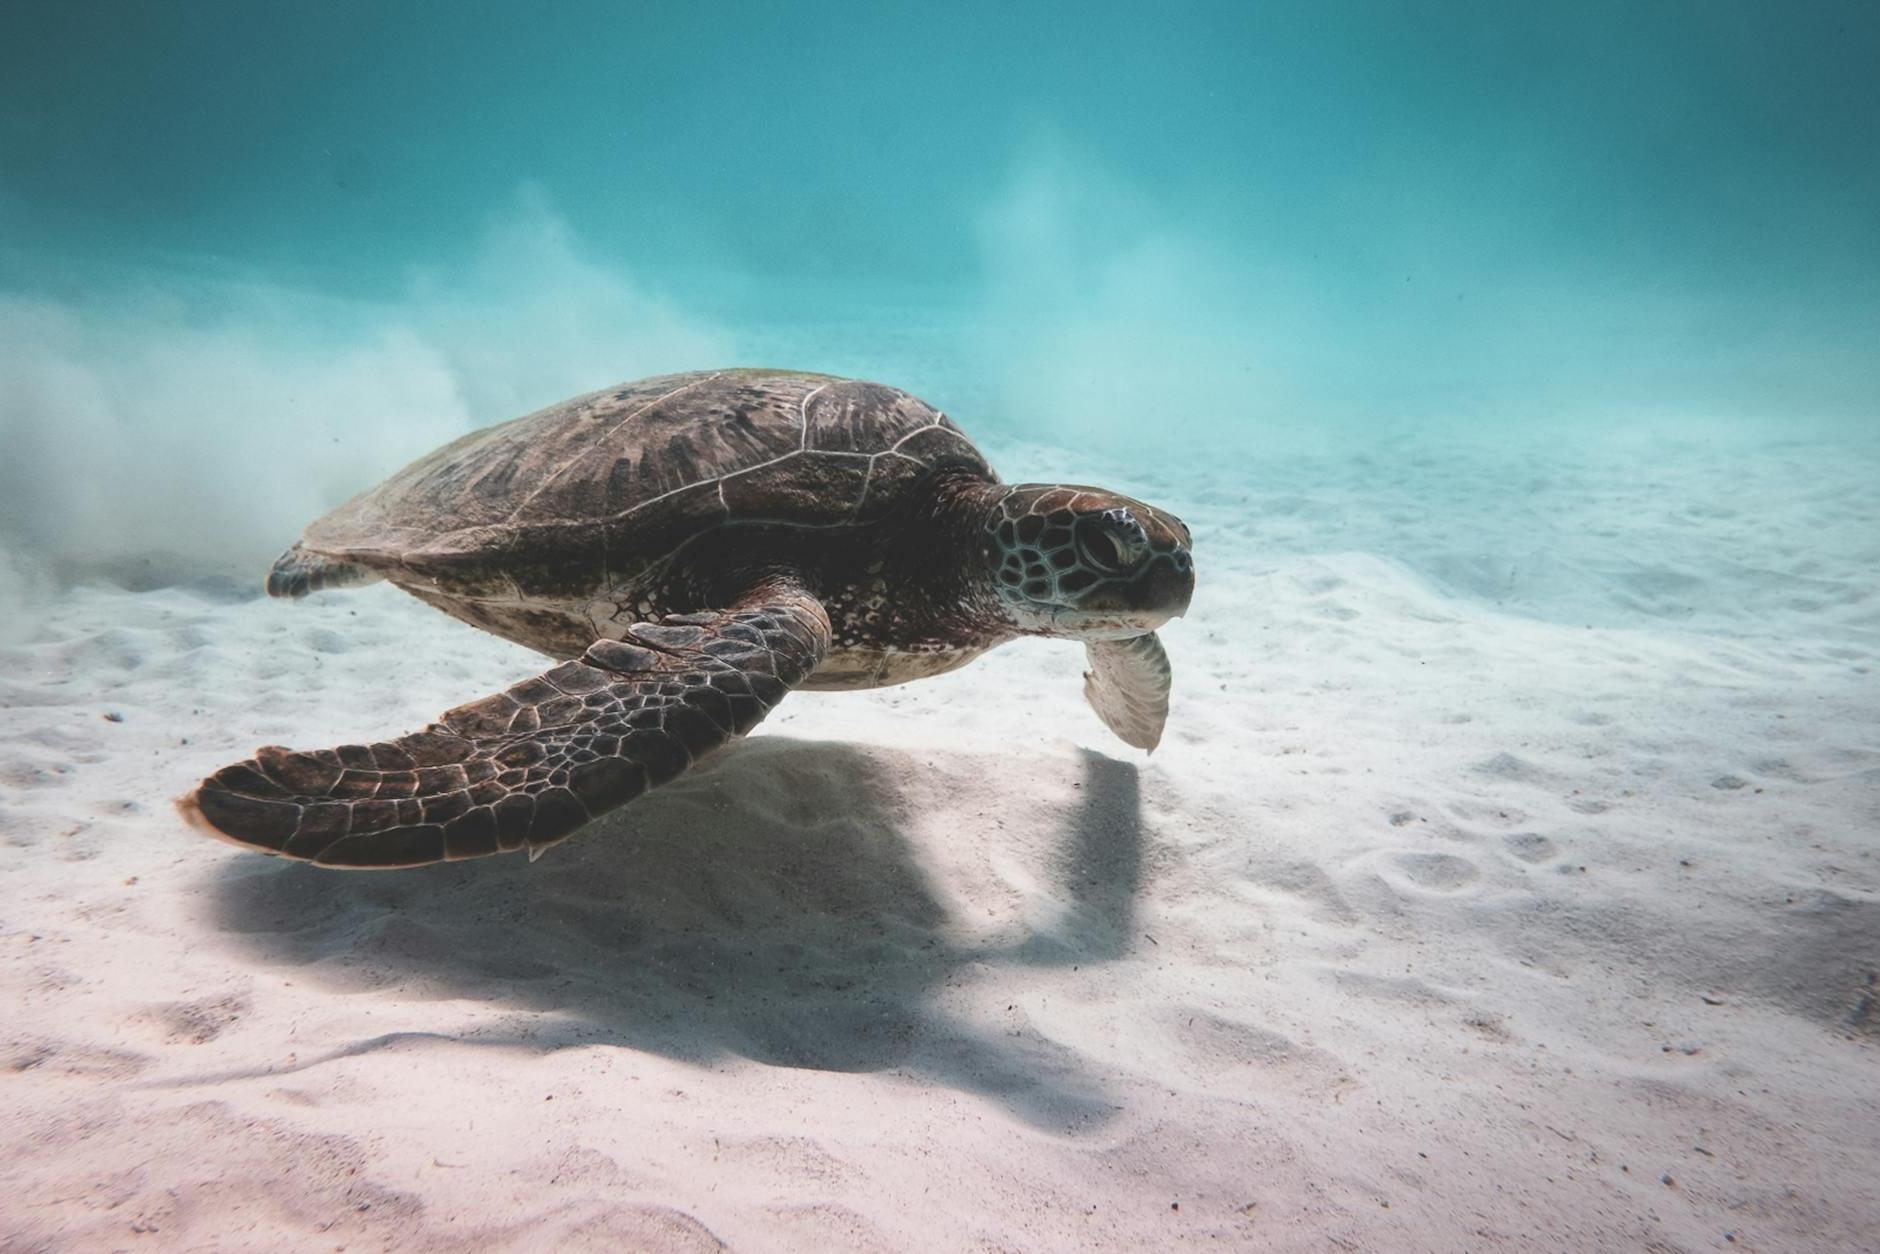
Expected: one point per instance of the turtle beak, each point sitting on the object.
(1167, 581)
(1174, 575)
(1161, 590)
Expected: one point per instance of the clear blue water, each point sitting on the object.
(252, 256)
(1506, 876)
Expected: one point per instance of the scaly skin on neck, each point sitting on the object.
(972, 564)
(919, 598)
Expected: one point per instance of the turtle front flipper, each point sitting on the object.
(524, 768)
(1127, 685)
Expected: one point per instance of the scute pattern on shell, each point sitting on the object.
(633, 471)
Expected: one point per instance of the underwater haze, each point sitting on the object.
(254, 256)
(1504, 877)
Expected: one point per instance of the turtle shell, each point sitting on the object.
(605, 484)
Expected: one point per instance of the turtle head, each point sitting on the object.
(1085, 563)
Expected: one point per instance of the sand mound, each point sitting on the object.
(1504, 881)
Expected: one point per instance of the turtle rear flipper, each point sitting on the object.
(1127, 685)
(298, 572)
(524, 768)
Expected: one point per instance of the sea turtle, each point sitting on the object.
(692, 547)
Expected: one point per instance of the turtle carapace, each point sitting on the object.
(690, 548)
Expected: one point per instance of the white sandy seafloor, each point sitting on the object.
(1506, 881)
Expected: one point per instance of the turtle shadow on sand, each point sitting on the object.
(771, 908)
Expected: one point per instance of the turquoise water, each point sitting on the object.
(251, 257)
(1505, 877)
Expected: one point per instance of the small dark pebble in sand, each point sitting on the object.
(113, 717)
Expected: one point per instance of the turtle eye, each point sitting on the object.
(1113, 541)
